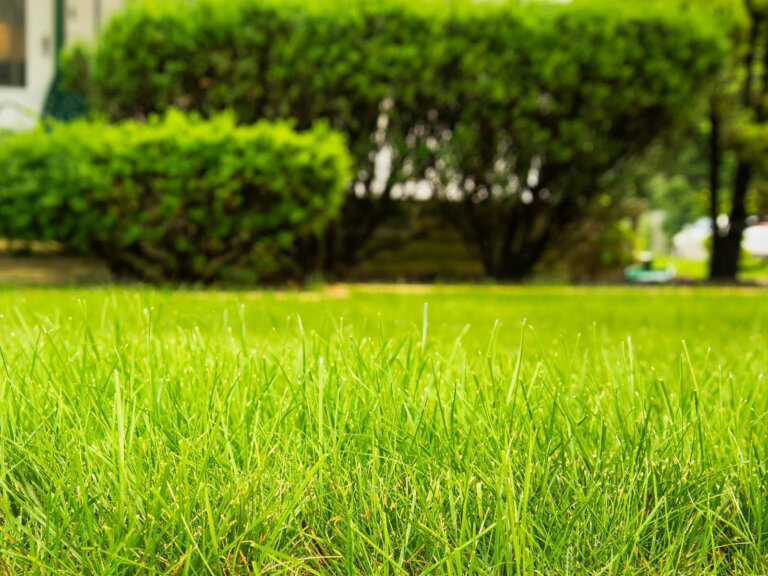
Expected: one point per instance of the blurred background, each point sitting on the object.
(432, 141)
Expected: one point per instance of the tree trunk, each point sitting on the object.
(727, 248)
(719, 256)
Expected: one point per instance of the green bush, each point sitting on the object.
(67, 97)
(597, 247)
(178, 198)
(521, 110)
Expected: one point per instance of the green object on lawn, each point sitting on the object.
(639, 275)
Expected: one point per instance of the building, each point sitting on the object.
(32, 32)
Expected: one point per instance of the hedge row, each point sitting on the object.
(177, 198)
(522, 109)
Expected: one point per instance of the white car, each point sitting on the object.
(756, 240)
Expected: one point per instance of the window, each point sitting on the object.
(12, 43)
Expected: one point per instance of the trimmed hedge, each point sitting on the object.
(178, 198)
(523, 110)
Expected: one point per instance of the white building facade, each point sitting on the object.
(31, 34)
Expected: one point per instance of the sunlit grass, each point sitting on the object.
(345, 431)
(753, 269)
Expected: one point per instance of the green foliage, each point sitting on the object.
(734, 140)
(681, 202)
(176, 199)
(748, 137)
(596, 247)
(522, 110)
(75, 67)
(67, 98)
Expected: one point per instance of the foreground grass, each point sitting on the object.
(340, 432)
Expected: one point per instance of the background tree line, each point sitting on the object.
(518, 120)
(715, 162)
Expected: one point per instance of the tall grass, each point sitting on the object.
(337, 432)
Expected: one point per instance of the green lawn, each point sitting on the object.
(753, 269)
(351, 430)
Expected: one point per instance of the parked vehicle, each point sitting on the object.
(756, 240)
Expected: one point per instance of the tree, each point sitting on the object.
(738, 124)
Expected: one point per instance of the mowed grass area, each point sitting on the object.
(345, 431)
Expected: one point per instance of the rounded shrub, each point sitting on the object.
(177, 198)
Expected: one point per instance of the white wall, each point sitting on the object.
(80, 20)
(83, 18)
(17, 103)
(108, 8)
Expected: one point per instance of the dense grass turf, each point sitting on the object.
(347, 431)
